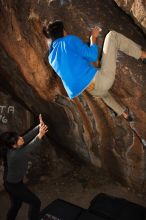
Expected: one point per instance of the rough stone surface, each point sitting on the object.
(137, 9)
(83, 126)
(13, 116)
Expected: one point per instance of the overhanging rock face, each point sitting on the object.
(84, 125)
(135, 8)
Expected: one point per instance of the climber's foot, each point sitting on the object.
(126, 114)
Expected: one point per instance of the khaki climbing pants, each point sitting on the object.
(104, 78)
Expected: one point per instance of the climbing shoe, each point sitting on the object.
(129, 118)
(144, 60)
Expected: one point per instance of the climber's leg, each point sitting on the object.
(113, 42)
(105, 78)
(109, 101)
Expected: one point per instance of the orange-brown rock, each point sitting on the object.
(83, 126)
(137, 9)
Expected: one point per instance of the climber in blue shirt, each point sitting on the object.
(72, 60)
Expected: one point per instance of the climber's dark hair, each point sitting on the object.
(7, 140)
(54, 30)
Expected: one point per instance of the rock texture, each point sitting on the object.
(83, 126)
(137, 9)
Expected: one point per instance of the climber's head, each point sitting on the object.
(54, 30)
(11, 140)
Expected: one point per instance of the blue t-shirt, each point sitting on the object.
(71, 59)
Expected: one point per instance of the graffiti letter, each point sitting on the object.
(11, 109)
(4, 120)
(2, 108)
